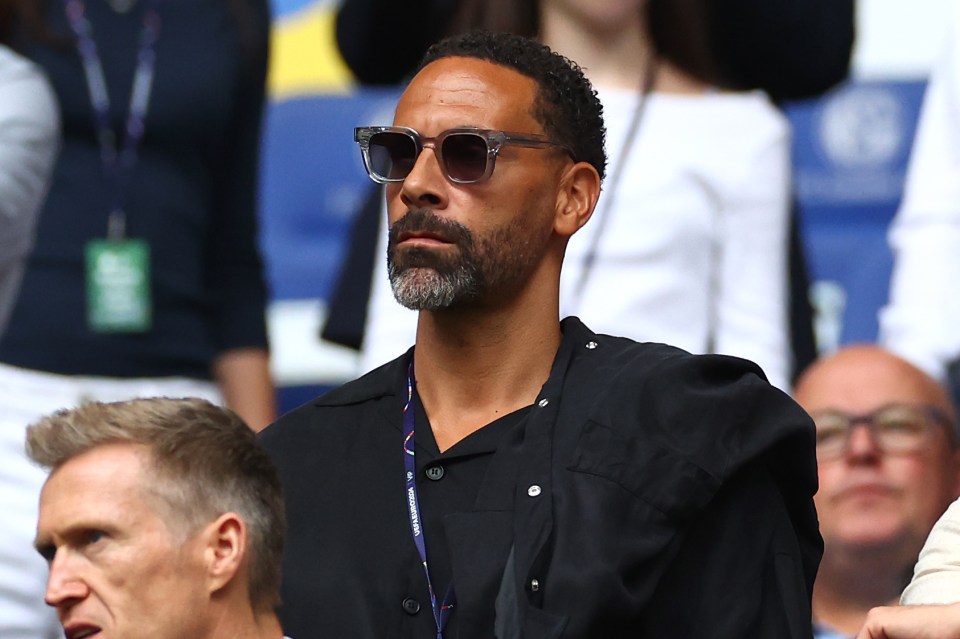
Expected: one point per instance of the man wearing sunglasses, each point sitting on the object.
(889, 466)
(515, 476)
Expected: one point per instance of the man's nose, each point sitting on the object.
(426, 184)
(64, 584)
(863, 444)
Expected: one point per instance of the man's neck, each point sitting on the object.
(248, 625)
(843, 595)
(473, 367)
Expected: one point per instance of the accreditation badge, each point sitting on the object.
(118, 286)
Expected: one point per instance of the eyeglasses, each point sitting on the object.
(896, 428)
(466, 155)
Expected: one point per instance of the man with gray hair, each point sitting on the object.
(161, 518)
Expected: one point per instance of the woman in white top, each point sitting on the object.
(688, 244)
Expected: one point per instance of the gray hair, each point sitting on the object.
(207, 462)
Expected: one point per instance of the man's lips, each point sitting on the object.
(866, 490)
(424, 238)
(80, 630)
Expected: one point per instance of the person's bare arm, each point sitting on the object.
(243, 375)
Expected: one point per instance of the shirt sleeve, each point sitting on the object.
(29, 134)
(739, 570)
(920, 322)
(936, 577)
(235, 268)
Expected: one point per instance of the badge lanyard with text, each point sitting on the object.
(118, 268)
(441, 611)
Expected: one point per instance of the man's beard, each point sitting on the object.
(427, 280)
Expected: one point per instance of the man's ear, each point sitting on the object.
(576, 198)
(225, 548)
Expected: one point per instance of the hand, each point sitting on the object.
(912, 622)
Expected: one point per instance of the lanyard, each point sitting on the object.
(117, 165)
(441, 612)
(613, 184)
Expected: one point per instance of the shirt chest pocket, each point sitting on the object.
(659, 477)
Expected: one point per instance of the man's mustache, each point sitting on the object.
(425, 221)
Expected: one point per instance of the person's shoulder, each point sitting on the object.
(310, 420)
(665, 364)
(696, 405)
(626, 362)
(722, 135)
(14, 66)
(25, 89)
(724, 113)
(750, 115)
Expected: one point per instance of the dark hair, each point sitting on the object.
(23, 22)
(566, 105)
(9, 13)
(521, 17)
(207, 462)
(680, 32)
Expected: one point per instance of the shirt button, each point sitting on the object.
(534, 490)
(434, 472)
(534, 585)
(411, 606)
(591, 345)
(543, 402)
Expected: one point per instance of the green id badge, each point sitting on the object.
(118, 286)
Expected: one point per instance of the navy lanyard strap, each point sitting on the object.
(441, 612)
(117, 165)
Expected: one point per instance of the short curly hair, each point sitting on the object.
(567, 104)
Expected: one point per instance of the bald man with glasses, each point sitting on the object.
(888, 465)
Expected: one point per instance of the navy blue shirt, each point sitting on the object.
(192, 195)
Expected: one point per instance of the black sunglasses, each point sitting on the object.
(466, 155)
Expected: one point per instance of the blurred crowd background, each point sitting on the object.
(850, 149)
(227, 219)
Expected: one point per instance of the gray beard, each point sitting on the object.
(425, 280)
(428, 289)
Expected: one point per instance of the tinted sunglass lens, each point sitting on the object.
(392, 155)
(465, 156)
